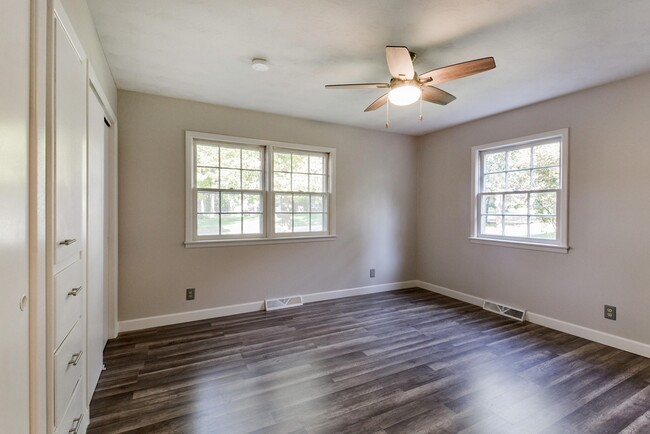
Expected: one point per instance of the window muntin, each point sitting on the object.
(520, 190)
(234, 195)
(300, 191)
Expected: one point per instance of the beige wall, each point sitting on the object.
(375, 212)
(84, 27)
(609, 223)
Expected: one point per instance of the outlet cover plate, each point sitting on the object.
(190, 293)
(610, 312)
(372, 272)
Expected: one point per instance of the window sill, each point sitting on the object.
(520, 245)
(257, 241)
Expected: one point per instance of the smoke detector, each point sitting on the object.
(260, 65)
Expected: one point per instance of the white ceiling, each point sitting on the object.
(201, 50)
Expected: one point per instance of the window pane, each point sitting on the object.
(491, 225)
(207, 178)
(517, 181)
(299, 163)
(546, 155)
(518, 159)
(282, 181)
(251, 159)
(316, 164)
(544, 179)
(543, 203)
(282, 162)
(230, 202)
(317, 183)
(252, 223)
(317, 223)
(207, 224)
(251, 180)
(230, 179)
(207, 155)
(543, 228)
(207, 202)
(494, 162)
(317, 203)
(492, 204)
(301, 203)
(299, 182)
(301, 222)
(230, 224)
(283, 203)
(283, 223)
(252, 202)
(231, 157)
(515, 226)
(515, 204)
(495, 182)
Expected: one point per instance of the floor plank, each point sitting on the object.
(407, 361)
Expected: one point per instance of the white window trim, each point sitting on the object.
(268, 236)
(561, 244)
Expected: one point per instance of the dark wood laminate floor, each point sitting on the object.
(408, 361)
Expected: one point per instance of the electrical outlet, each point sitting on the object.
(189, 293)
(372, 272)
(610, 312)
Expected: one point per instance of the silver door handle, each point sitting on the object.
(76, 424)
(74, 291)
(75, 358)
(67, 242)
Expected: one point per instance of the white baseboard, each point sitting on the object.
(196, 315)
(362, 290)
(619, 342)
(193, 315)
(467, 298)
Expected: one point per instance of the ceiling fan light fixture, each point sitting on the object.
(404, 95)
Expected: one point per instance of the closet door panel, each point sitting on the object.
(96, 276)
(70, 130)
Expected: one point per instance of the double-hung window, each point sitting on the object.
(520, 192)
(243, 191)
(300, 191)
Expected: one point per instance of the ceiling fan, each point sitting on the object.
(406, 86)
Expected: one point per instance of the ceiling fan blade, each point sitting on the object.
(459, 70)
(436, 96)
(399, 62)
(358, 86)
(377, 103)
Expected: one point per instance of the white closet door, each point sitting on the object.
(14, 280)
(97, 315)
(70, 114)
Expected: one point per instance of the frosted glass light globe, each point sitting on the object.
(404, 95)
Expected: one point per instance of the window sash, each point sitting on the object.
(324, 213)
(196, 213)
(503, 215)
